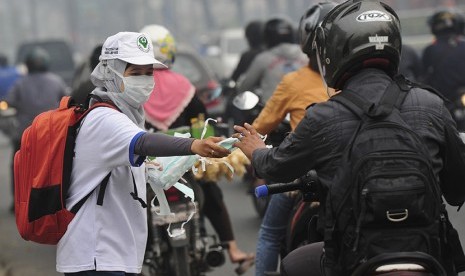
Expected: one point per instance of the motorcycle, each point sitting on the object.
(248, 107)
(187, 252)
(301, 227)
(386, 264)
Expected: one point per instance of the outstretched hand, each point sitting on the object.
(249, 139)
(208, 147)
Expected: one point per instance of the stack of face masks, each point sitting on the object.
(173, 168)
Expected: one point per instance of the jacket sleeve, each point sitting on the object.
(293, 158)
(240, 68)
(274, 111)
(452, 174)
(250, 80)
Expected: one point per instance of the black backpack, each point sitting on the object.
(384, 197)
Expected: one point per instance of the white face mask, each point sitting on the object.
(138, 88)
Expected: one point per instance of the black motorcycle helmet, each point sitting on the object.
(358, 34)
(277, 31)
(446, 22)
(307, 25)
(254, 33)
(37, 60)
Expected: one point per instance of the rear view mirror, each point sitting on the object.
(245, 100)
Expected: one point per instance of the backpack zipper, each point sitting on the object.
(361, 162)
(403, 155)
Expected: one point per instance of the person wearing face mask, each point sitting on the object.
(109, 238)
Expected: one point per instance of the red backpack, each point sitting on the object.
(42, 172)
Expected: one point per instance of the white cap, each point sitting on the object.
(134, 48)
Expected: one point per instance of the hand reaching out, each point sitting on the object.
(208, 148)
(249, 139)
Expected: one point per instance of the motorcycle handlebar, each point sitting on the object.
(305, 183)
(270, 189)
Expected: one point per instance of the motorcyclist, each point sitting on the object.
(8, 76)
(173, 104)
(296, 91)
(254, 36)
(443, 72)
(353, 63)
(173, 101)
(281, 56)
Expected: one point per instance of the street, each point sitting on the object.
(21, 258)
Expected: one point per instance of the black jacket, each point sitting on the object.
(244, 62)
(445, 66)
(320, 138)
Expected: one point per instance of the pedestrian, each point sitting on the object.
(110, 239)
(354, 60)
(38, 91)
(296, 91)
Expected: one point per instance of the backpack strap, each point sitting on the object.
(91, 96)
(103, 186)
(101, 194)
(134, 194)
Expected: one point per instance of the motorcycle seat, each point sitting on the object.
(401, 267)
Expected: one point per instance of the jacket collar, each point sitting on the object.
(369, 83)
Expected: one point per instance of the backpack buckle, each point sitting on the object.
(397, 215)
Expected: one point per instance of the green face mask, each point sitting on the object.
(228, 143)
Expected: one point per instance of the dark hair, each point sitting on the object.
(37, 60)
